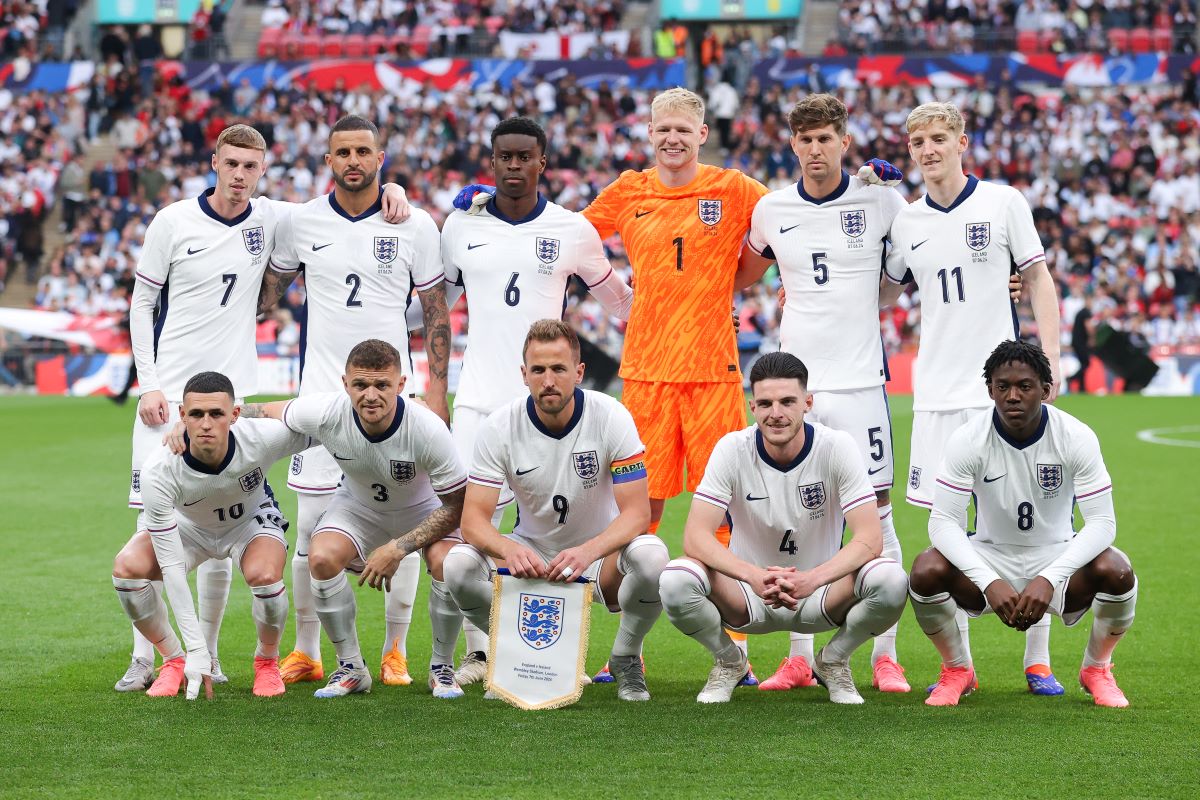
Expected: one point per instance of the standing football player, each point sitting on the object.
(359, 273)
(959, 243)
(1026, 464)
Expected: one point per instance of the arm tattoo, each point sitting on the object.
(436, 526)
(274, 286)
(253, 411)
(437, 330)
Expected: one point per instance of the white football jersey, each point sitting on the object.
(359, 274)
(208, 271)
(786, 515)
(398, 470)
(961, 258)
(515, 272)
(830, 253)
(1025, 492)
(218, 500)
(563, 482)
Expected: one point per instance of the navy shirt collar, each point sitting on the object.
(967, 191)
(391, 429)
(538, 208)
(834, 195)
(375, 208)
(207, 208)
(576, 415)
(1018, 444)
(199, 466)
(795, 462)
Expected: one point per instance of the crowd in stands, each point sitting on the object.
(1050, 26)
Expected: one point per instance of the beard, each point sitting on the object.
(368, 181)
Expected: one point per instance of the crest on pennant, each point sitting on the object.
(403, 471)
(251, 480)
(297, 463)
(540, 623)
(854, 223)
(587, 464)
(386, 248)
(1049, 476)
(547, 250)
(709, 211)
(979, 235)
(254, 240)
(914, 477)
(812, 495)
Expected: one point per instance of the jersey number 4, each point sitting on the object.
(788, 544)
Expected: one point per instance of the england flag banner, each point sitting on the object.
(538, 643)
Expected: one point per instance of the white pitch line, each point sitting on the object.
(1155, 436)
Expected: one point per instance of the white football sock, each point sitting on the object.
(885, 643)
(309, 508)
(143, 647)
(1037, 642)
(213, 578)
(445, 621)
(642, 562)
(801, 644)
(269, 608)
(477, 640)
(337, 611)
(963, 621)
(398, 604)
(469, 579)
(684, 590)
(937, 616)
(148, 613)
(1111, 617)
(882, 590)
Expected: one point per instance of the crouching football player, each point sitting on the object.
(213, 502)
(574, 461)
(1027, 464)
(787, 486)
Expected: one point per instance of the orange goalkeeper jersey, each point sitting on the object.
(684, 245)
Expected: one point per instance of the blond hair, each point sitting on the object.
(817, 111)
(551, 330)
(929, 113)
(678, 100)
(240, 135)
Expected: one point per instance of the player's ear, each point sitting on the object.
(213, 161)
(579, 369)
(703, 133)
(846, 140)
(524, 375)
(237, 412)
(400, 385)
(963, 141)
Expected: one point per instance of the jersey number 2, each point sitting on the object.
(355, 283)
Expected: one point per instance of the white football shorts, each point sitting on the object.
(930, 431)
(862, 413)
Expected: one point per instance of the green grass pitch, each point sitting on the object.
(64, 641)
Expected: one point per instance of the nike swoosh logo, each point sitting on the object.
(473, 246)
(640, 214)
(986, 479)
(785, 230)
(321, 247)
(185, 505)
(750, 497)
(877, 469)
(527, 471)
(192, 252)
(340, 458)
(918, 244)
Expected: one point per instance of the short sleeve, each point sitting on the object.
(628, 454)
(854, 487)
(960, 461)
(604, 211)
(891, 202)
(285, 257)
(489, 464)
(439, 455)
(757, 237)
(752, 192)
(1087, 465)
(591, 265)
(1024, 244)
(154, 264)
(306, 414)
(427, 252)
(158, 497)
(280, 441)
(717, 487)
(895, 266)
(449, 268)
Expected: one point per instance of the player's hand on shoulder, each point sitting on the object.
(1003, 599)
(474, 197)
(1032, 603)
(569, 564)
(1014, 287)
(174, 439)
(396, 208)
(381, 566)
(880, 173)
(197, 670)
(523, 562)
(153, 408)
(782, 296)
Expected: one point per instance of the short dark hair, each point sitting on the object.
(209, 383)
(523, 126)
(551, 330)
(373, 354)
(1022, 353)
(779, 365)
(354, 122)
